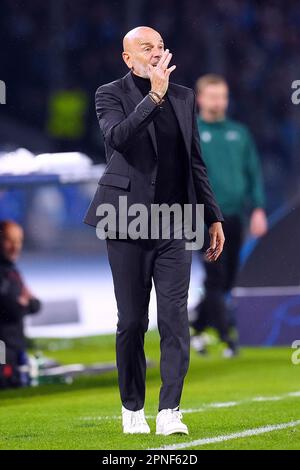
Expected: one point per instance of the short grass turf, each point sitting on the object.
(86, 414)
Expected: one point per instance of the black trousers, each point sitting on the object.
(220, 279)
(134, 263)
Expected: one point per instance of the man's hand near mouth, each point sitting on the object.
(159, 74)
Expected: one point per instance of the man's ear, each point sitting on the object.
(127, 59)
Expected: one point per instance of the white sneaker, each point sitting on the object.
(230, 353)
(134, 422)
(199, 343)
(168, 422)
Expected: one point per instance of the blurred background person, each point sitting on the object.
(16, 301)
(235, 174)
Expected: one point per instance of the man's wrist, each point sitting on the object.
(156, 93)
(156, 98)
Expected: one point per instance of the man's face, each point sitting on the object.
(213, 100)
(11, 242)
(146, 48)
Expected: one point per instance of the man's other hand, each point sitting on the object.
(217, 240)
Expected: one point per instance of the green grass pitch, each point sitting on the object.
(222, 398)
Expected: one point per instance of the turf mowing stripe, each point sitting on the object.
(229, 437)
(228, 404)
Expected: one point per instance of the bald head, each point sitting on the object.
(11, 240)
(138, 35)
(142, 46)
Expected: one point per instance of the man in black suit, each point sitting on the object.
(153, 157)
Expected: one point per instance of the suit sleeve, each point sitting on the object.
(118, 129)
(204, 194)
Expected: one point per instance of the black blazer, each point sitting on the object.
(125, 119)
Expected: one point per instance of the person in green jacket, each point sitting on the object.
(235, 175)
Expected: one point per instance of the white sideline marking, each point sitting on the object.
(229, 437)
(258, 399)
(207, 406)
